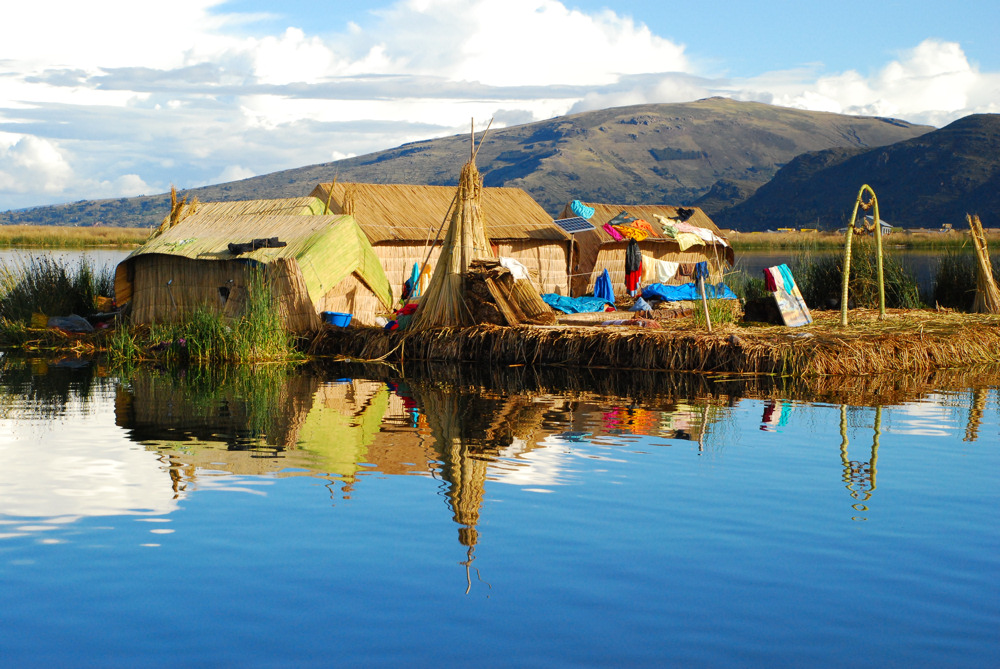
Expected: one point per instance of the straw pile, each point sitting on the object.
(907, 341)
(987, 294)
(493, 295)
(444, 304)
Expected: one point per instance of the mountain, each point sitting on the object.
(922, 182)
(660, 153)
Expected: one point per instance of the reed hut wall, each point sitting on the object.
(169, 289)
(400, 220)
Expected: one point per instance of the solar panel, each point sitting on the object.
(575, 224)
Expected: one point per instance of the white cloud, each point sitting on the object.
(233, 173)
(932, 83)
(200, 100)
(33, 164)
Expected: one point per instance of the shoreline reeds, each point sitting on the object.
(52, 236)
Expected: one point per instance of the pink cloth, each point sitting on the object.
(615, 235)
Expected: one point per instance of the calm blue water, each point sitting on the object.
(322, 519)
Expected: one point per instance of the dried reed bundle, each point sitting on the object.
(987, 294)
(177, 213)
(443, 304)
(493, 295)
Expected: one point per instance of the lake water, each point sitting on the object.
(351, 516)
(98, 258)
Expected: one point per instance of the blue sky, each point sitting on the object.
(115, 98)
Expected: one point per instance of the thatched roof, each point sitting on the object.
(327, 248)
(648, 212)
(401, 212)
(301, 206)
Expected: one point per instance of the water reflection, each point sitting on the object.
(859, 476)
(467, 427)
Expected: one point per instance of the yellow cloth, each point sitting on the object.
(688, 239)
(631, 233)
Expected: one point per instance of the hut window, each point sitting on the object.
(224, 293)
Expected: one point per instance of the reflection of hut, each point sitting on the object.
(256, 423)
(600, 251)
(311, 263)
(401, 221)
(344, 420)
(249, 422)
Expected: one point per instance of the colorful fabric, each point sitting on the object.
(643, 225)
(786, 277)
(603, 288)
(686, 292)
(576, 305)
(633, 265)
(686, 240)
(580, 209)
(628, 232)
(610, 229)
(701, 270)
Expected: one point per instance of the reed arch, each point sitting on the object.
(865, 205)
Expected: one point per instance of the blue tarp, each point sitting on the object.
(574, 305)
(687, 291)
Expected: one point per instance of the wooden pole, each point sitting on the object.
(704, 302)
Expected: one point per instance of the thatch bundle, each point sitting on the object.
(444, 303)
(493, 295)
(177, 212)
(987, 294)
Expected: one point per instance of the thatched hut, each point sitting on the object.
(600, 251)
(402, 221)
(312, 264)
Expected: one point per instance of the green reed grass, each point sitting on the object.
(43, 285)
(955, 280)
(820, 276)
(257, 335)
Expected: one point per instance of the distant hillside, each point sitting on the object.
(663, 153)
(923, 182)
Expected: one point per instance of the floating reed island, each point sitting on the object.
(910, 341)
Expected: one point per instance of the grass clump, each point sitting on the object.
(955, 281)
(43, 285)
(820, 279)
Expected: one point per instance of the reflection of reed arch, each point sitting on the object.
(860, 477)
(876, 227)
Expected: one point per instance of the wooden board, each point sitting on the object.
(792, 306)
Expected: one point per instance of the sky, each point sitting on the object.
(117, 98)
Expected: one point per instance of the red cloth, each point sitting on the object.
(632, 280)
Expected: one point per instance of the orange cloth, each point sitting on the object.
(643, 225)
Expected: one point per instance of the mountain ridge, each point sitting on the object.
(655, 153)
(922, 182)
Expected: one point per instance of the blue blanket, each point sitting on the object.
(687, 291)
(574, 305)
